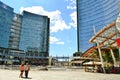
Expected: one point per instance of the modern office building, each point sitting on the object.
(23, 36)
(34, 34)
(34, 37)
(6, 16)
(93, 13)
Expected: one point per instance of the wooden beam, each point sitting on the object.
(103, 30)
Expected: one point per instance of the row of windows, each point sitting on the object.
(98, 19)
(89, 29)
(98, 12)
(14, 43)
(98, 8)
(14, 38)
(15, 31)
(94, 5)
(15, 23)
(16, 27)
(86, 2)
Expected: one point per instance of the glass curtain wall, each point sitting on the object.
(6, 16)
(34, 34)
(96, 13)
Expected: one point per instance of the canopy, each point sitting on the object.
(105, 37)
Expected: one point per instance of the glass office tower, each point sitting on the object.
(23, 37)
(91, 13)
(34, 37)
(6, 16)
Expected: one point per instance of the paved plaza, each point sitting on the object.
(57, 75)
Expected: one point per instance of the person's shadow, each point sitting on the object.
(27, 78)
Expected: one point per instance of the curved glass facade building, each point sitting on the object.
(91, 13)
(6, 16)
(34, 34)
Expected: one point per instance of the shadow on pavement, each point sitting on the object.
(27, 78)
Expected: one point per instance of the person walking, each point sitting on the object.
(22, 68)
(27, 69)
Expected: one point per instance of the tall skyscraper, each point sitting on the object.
(91, 13)
(34, 34)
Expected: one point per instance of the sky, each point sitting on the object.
(63, 22)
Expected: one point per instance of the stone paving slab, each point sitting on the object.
(57, 75)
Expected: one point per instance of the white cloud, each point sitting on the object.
(54, 40)
(57, 23)
(34, 9)
(72, 4)
(71, 7)
(73, 19)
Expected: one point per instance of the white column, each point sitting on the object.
(100, 55)
(113, 57)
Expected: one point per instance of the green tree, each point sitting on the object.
(116, 53)
(107, 57)
(77, 54)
